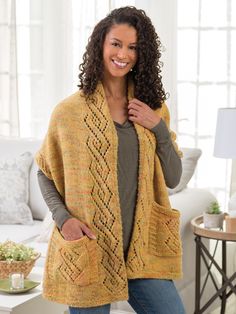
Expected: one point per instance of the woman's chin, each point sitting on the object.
(118, 73)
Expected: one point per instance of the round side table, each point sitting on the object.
(202, 254)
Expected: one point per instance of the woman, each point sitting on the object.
(104, 167)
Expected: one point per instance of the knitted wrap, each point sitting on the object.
(79, 154)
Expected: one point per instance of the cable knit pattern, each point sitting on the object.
(80, 154)
(98, 144)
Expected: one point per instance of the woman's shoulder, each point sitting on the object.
(163, 111)
(70, 105)
(74, 100)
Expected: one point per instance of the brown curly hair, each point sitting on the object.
(146, 73)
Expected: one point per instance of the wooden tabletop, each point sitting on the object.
(199, 229)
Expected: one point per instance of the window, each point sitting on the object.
(206, 81)
(30, 61)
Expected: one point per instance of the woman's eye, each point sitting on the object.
(115, 44)
(133, 47)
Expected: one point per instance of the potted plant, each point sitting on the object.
(16, 257)
(213, 217)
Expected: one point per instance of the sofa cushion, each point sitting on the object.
(14, 190)
(189, 163)
(46, 228)
(20, 233)
(11, 147)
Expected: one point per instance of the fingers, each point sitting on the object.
(142, 114)
(133, 112)
(74, 229)
(133, 118)
(137, 102)
(136, 108)
(133, 109)
(88, 232)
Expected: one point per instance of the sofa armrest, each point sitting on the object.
(191, 202)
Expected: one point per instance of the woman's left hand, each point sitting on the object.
(142, 114)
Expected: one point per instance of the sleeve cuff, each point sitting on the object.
(161, 132)
(62, 219)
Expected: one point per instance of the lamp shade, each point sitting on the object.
(225, 137)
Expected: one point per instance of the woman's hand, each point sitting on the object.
(74, 229)
(142, 114)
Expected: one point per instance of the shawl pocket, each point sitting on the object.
(164, 238)
(73, 262)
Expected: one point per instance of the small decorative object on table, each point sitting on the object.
(16, 258)
(230, 220)
(213, 217)
(16, 281)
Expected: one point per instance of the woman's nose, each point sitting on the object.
(122, 53)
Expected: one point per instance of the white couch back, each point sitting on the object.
(13, 147)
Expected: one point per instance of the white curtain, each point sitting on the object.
(56, 48)
(45, 61)
(9, 118)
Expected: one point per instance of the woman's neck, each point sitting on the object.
(115, 88)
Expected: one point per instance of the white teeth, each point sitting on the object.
(120, 64)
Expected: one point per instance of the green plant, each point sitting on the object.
(11, 251)
(214, 208)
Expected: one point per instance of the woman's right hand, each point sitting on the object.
(74, 229)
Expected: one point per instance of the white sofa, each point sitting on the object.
(190, 201)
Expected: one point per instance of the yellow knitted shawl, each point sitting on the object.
(79, 154)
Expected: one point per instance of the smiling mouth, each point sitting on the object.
(119, 64)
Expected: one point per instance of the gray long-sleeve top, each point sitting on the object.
(128, 149)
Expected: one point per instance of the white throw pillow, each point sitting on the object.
(14, 190)
(189, 163)
(47, 227)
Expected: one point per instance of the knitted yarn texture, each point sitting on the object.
(79, 154)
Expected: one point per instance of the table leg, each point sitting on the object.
(224, 297)
(197, 275)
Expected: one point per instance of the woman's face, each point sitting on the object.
(119, 50)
